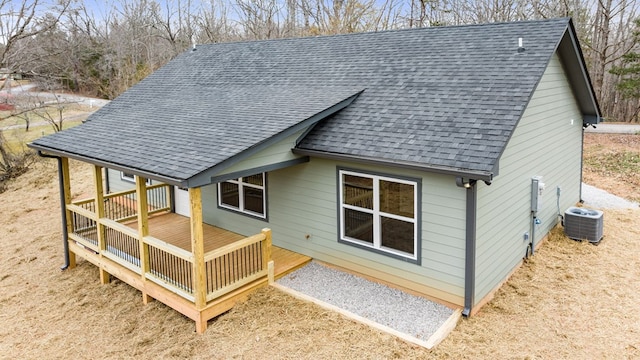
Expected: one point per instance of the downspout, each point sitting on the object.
(107, 182)
(581, 163)
(63, 207)
(470, 245)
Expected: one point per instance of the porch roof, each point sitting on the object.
(195, 131)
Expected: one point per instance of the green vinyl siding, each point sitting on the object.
(546, 144)
(276, 153)
(116, 184)
(302, 202)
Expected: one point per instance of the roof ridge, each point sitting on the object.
(367, 33)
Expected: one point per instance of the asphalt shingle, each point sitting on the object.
(447, 97)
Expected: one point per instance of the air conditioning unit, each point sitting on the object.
(583, 224)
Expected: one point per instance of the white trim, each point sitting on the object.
(241, 186)
(378, 214)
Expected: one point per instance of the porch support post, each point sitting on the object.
(197, 247)
(143, 230)
(99, 199)
(267, 263)
(66, 180)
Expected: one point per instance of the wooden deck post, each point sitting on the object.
(197, 247)
(99, 203)
(267, 263)
(143, 230)
(67, 200)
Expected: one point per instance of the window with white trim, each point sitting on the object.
(130, 177)
(245, 195)
(379, 212)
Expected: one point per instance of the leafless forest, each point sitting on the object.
(103, 47)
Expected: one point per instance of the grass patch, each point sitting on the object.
(19, 156)
(17, 139)
(71, 112)
(623, 163)
(612, 163)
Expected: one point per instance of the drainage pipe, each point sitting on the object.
(532, 244)
(106, 181)
(63, 207)
(470, 244)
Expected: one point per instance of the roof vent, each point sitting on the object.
(520, 46)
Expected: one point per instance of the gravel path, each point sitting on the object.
(605, 128)
(600, 199)
(412, 315)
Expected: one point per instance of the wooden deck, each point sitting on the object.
(175, 230)
(147, 247)
(233, 266)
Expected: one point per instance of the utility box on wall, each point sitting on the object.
(537, 188)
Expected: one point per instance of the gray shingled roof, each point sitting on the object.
(447, 97)
(441, 98)
(176, 129)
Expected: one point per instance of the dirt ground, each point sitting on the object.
(571, 301)
(612, 163)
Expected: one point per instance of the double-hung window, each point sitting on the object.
(245, 195)
(380, 213)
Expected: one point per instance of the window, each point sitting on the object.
(130, 177)
(380, 213)
(245, 195)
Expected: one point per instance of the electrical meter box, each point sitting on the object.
(537, 188)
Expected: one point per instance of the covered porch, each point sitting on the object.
(195, 268)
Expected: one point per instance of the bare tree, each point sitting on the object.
(605, 46)
(260, 19)
(345, 16)
(107, 53)
(628, 76)
(175, 23)
(23, 20)
(19, 21)
(212, 23)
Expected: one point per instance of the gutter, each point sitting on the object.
(478, 175)
(105, 164)
(63, 207)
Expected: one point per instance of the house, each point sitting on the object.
(433, 159)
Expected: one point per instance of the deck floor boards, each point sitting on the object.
(176, 230)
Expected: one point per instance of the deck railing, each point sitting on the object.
(121, 206)
(121, 244)
(170, 267)
(83, 224)
(226, 269)
(237, 264)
